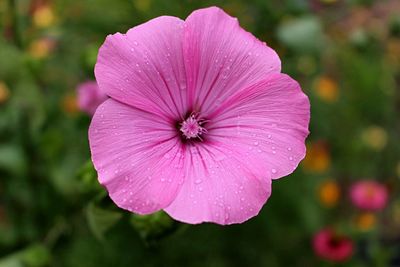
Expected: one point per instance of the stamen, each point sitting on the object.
(191, 127)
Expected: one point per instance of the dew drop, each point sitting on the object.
(198, 181)
(256, 143)
(269, 136)
(274, 171)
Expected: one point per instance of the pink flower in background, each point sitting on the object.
(333, 247)
(369, 195)
(90, 97)
(200, 119)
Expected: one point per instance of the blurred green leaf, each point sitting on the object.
(100, 220)
(153, 226)
(302, 34)
(14, 59)
(12, 158)
(34, 256)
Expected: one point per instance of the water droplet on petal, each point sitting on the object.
(198, 181)
(274, 171)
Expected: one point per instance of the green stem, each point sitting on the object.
(15, 20)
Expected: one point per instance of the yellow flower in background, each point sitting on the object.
(366, 221)
(317, 158)
(329, 193)
(4, 92)
(326, 89)
(41, 48)
(43, 17)
(374, 137)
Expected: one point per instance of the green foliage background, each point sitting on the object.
(54, 213)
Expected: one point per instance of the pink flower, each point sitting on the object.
(200, 119)
(90, 97)
(369, 195)
(333, 247)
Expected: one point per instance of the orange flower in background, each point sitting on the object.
(366, 221)
(393, 50)
(329, 193)
(318, 159)
(70, 105)
(326, 89)
(43, 16)
(4, 92)
(41, 48)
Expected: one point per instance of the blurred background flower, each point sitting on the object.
(90, 96)
(369, 195)
(332, 246)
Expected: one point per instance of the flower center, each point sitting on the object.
(191, 127)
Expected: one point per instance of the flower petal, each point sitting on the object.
(217, 189)
(266, 123)
(137, 157)
(144, 68)
(221, 58)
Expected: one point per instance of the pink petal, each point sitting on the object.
(144, 68)
(217, 189)
(221, 58)
(137, 157)
(266, 124)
